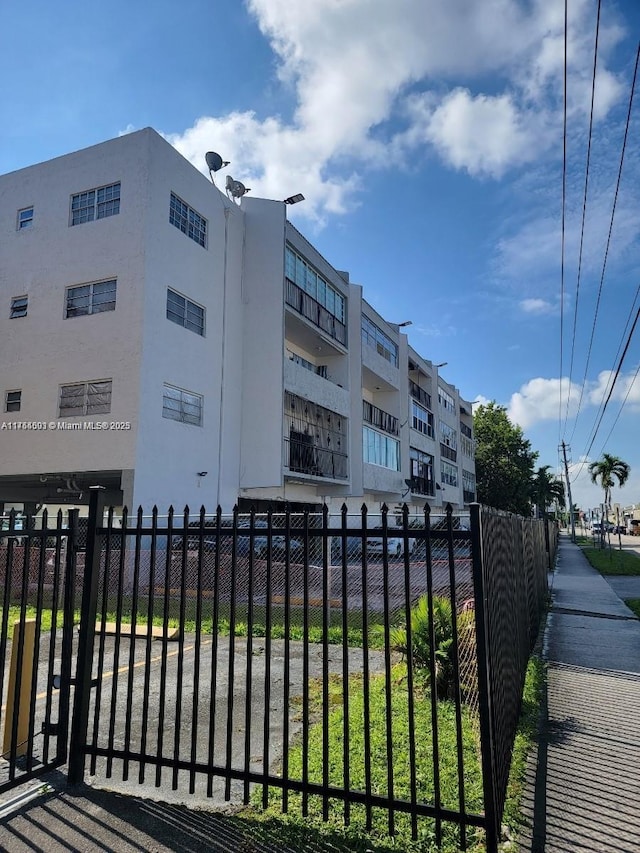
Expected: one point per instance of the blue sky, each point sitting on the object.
(429, 149)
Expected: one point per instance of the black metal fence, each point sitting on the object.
(36, 645)
(364, 668)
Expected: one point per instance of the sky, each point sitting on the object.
(428, 140)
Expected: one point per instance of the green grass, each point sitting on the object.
(633, 604)
(241, 626)
(613, 562)
(525, 738)
(377, 839)
(30, 613)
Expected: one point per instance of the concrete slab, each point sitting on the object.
(583, 784)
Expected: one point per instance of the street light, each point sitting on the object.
(442, 364)
(406, 323)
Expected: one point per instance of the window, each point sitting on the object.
(95, 204)
(448, 473)
(25, 218)
(179, 405)
(85, 398)
(378, 449)
(12, 401)
(468, 486)
(185, 313)
(374, 337)
(302, 274)
(188, 220)
(19, 306)
(421, 419)
(91, 298)
(421, 472)
(446, 400)
(466, 445)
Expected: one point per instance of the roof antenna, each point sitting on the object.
(214, 163)
(235, 189)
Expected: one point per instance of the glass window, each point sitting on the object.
(303, 275)
(12, 401)
(185, 313)
(374, 337)
(19, 306)
(449, 473)
(183, 406)
(85, 398)
(91, 298)
(188, 220)
(25, 218)
(95, 204)
(446, 400)
(422, 420)
(379, 449)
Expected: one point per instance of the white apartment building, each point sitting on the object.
(162, 341)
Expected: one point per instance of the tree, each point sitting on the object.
(605, 470)
(504, 461)
(546, 488)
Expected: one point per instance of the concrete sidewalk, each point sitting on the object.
(583, 788)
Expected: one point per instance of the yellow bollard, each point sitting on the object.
(22, 709)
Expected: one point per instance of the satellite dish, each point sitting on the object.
(214, 161)
(235, 189)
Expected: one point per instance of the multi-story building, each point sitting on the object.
(162, 341)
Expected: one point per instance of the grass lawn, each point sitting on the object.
(296, 831)
(633, 604)
(613, 562)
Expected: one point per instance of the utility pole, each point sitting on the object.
(566, 473)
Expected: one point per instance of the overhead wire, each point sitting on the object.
(584, 214)
(606, 253)
(564, 199)
(612, 371)
(585, 455)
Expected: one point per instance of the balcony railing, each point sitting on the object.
(422, 486)
(313, 311)
(378, 418)
(419, 394)
(448, 452)
(305, 458)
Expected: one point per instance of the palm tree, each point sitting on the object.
(604, 471)
(546, 488)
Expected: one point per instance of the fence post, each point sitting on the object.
(68, 610)
(84, 665)
(492, 825)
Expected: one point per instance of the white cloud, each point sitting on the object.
(626, 388)
(483, 134)
(373, 77)
(537, 306)
(539, 400)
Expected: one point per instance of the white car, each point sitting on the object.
(395, 546)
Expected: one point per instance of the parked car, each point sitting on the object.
(353, 548)
(395, 544)
(279, 545)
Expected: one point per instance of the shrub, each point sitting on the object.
(444, 651)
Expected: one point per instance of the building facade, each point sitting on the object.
(174, 347)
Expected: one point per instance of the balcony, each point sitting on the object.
(378, 418)
(419, 394)
(422, 486)
(448, 453)
(304, 458)
(317, 314)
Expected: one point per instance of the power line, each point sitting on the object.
(606, 253)
(613, 385)
(626, 397)
(584, 212)
(564, 198)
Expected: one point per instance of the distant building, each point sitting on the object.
(174, 347)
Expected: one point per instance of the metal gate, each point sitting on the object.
(37, 576)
